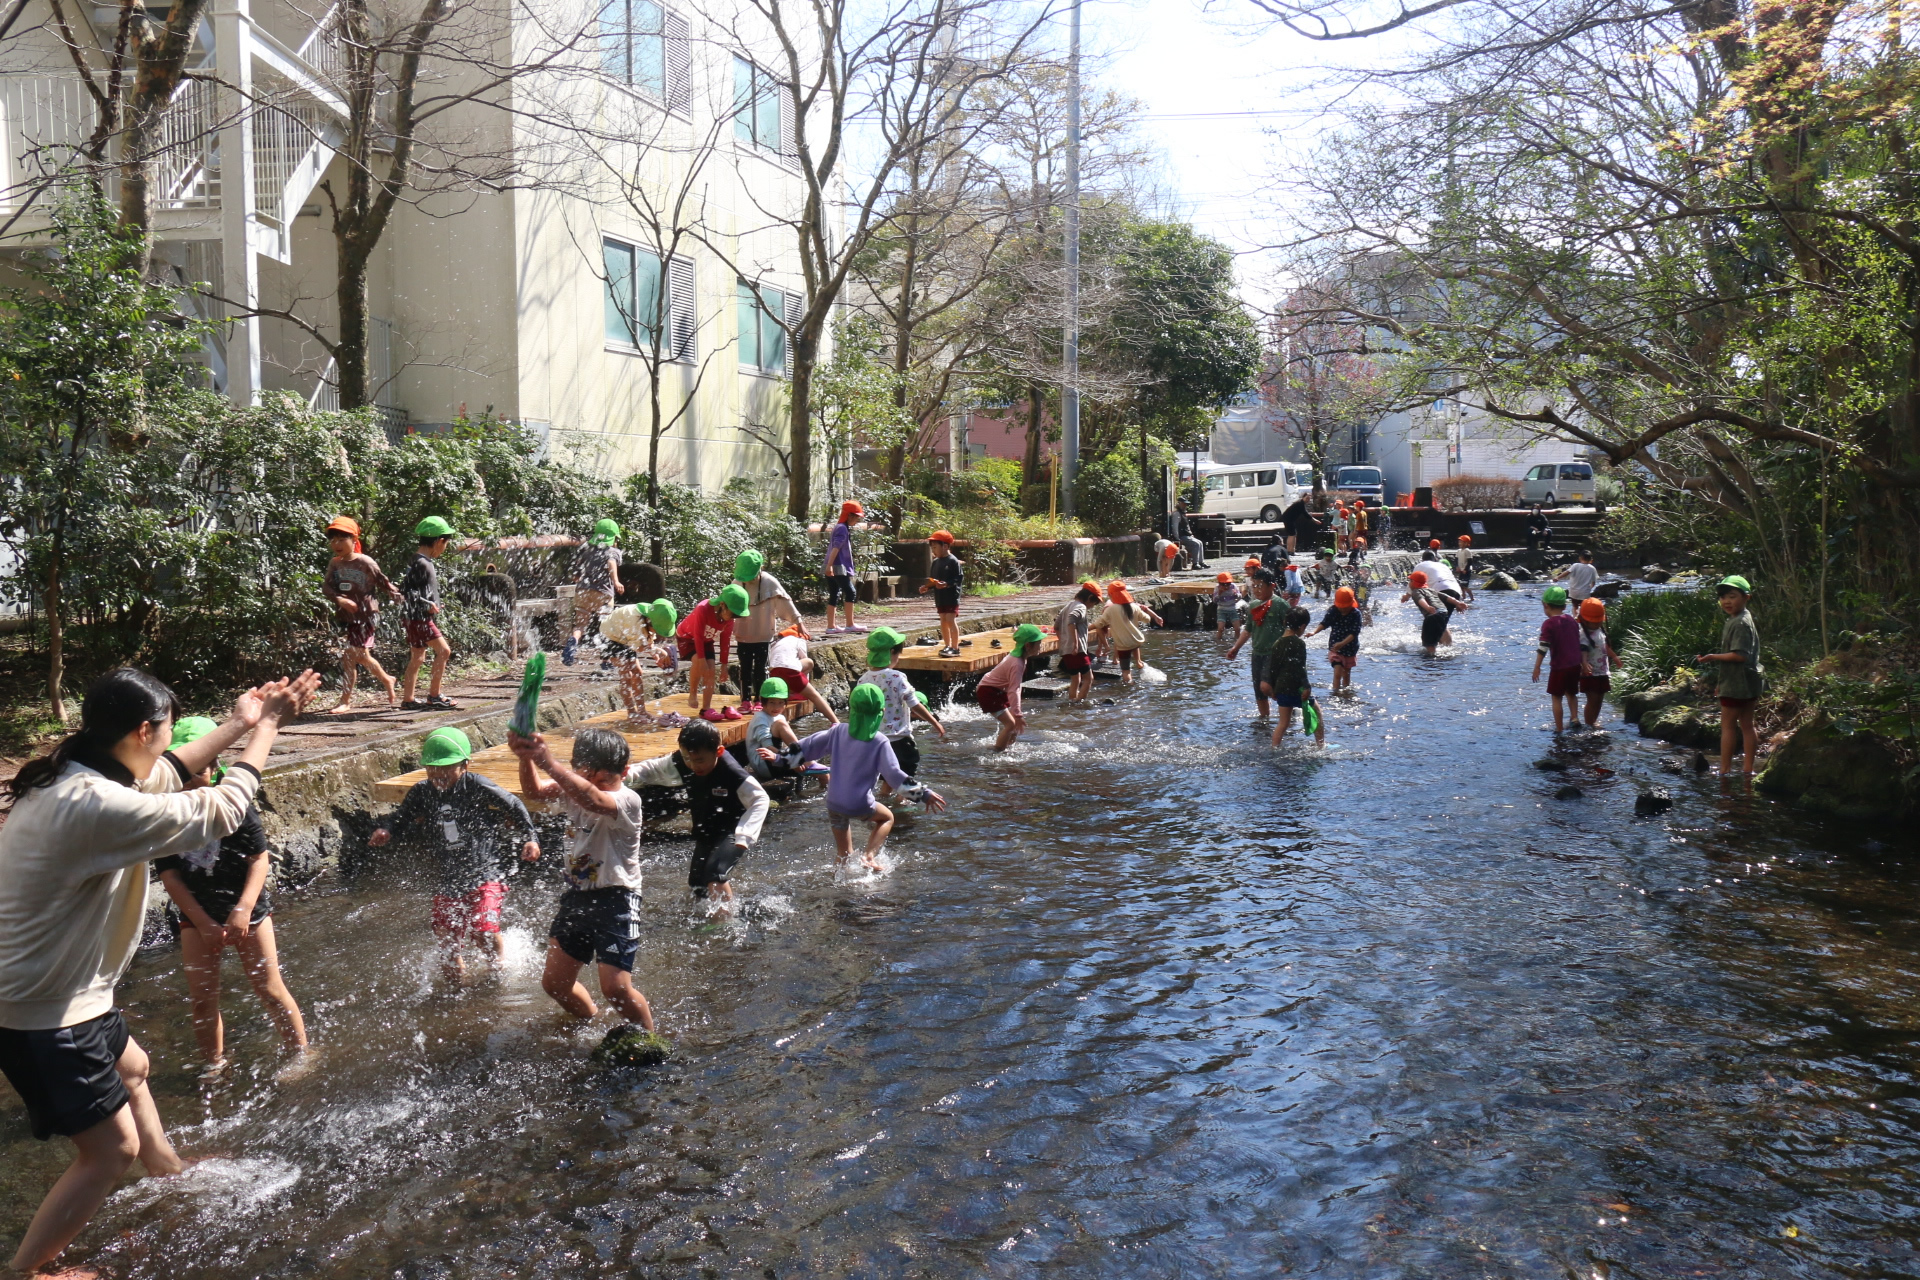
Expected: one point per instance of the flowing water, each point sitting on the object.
(1151, 1000)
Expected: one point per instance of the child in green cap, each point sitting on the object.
(883, 650)
(596, 577)
(706, 636)
(769, 608)
(1560, 648)
(219, 896)
(772, 745)
(1737, 668)
(420, 594)
(999, 690)
(467, 822)
(862, 756)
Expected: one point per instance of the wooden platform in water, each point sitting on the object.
(500, 765)
(978, 656)
(1197, 587)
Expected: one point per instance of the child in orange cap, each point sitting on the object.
(1226, 605)
(1070, 625)
(1434, 615)
(839, 566)
(353, 584)
(945, 576)
(1344, 620)
(1597, 658)
(1119, 622)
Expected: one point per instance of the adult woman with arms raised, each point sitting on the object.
(73, 897)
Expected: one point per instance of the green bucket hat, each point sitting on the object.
(189, 728)
(773, 687)
(881, 642)
(662, 617)
(1025, 634)
(866, 707)
(921, 698)
(734, 597)
(1554, 595)
(445, 747)
(1734, 582)
(605, 533)
(747, 566)
(433, 527)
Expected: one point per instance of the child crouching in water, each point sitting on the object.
(861, 757)
(599, 915)
(998, 692)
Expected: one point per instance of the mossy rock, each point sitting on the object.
(1633, 706)
(1850, 775)
(629, 1046)
(1687, 725)
(1500, 582)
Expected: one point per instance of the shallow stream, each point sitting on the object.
(1152, 999)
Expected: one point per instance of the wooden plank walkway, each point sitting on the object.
(500, 764)
(978, 656)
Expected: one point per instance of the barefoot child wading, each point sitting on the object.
(1560, 648)
(1344, 621)
(883, 650)
(728, 805)
(599, 915)
(998, 692)
(1737, 675)
(219, 895)
(861, 757)
(353, 584)
(469, 822)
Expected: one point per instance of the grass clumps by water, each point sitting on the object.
(1659, 633)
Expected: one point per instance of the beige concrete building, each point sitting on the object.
(591, 160)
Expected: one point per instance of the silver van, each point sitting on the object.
(1257, 491)
(1554, 483)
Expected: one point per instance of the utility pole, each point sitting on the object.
(1070, 393)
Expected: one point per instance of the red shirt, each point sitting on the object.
(704, 627)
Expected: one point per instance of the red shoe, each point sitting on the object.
(711, 714)
(728, 713)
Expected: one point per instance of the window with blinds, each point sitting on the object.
(645, 45)
(636, 310)
(761, 114)
(763, 339)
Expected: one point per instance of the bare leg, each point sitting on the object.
(561, 980)
(103, 1155)
(882, 828)
(261, 955)
(349, 671)
(1007, 734)
(617, 986)
(156, 1153)
(820, 704)
(441, 652)
(1593, 709)
(1751, 735)
(1284, 718)
(842, 844)
(414, 658)
(201, 959)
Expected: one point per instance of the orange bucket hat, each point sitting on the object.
(850, 509)
(1252, 563)
(1433, 544)
(1593, 610)
(1223, 577)
(940, 535)
(1117, 592)
(348, 526)
(1343, 598)
(1088, 584)
(1466, 539)
(1359, 540)
(1416, 579)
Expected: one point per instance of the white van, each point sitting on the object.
(1557, 482)
(1257, 491)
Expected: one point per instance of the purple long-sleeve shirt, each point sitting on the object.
(840, 549)
(856, 765)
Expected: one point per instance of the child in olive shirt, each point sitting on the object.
(1739, 678)
(1287, 677)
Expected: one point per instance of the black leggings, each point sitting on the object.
(753, 667)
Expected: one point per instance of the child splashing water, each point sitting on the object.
(861, 756)
(729, 807)
(998, 692)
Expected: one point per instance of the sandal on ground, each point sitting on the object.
(442, 703)
(728, 713)
(415, 704)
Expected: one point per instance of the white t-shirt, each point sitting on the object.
(624, 626)
(1593, 652)
(787, 653)
(1581, 578)
(893, 683)
(1439, 575)
(604, 848)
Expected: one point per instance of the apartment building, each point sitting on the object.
(588, 162)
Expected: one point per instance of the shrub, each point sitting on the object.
(1655, 632)
(1109, 497)
(1475, 493)
(700, 536)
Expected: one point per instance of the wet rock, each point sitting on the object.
(1568, 793)
(1611, 587)
(1520, 573)
(1652, 801)
(1655, 574)
(1849, 775)
(1686, 725)
(1547, 764)
(1500, 582)
(1700, 764)
(1673, 764)
(1635, 705)
(642, 581)
(628, 1046)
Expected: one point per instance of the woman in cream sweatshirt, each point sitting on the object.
(73, 893)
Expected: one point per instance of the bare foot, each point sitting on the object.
(343, 706)
(300, 1064)
(393, 692)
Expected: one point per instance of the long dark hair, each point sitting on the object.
(118, 703)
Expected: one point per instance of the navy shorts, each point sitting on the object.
(599, 924)
(712, 863)
(907, 752)
(68, 1077)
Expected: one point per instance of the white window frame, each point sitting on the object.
(783, 145)
(675, 91)
(681, 321)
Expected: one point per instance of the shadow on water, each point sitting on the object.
(1152, 1000)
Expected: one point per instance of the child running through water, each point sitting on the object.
(467, 820)
(945, 577)
(1120, 621)
(1344, 621)
(420, 589)
(219, 897)
(705, 637)
(883, 650)
(599, 915)
(353, 584)
(861, 756)
(1260, 627)
(1226, 605)
(1597, 658)
(729, 807)
(1559, 641)
(1287, 677)
(1434, 615)
(998, 692)
(1070, 625)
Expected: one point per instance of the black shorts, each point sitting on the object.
(946, 600)
(69, 1077)
(1074, 663)
(712, 862)
(618, 653)
(907, 752)
(1126, 657)
(1433, 627)
(1258, 664)
(599, 924)
(220, 908)
(839, 589)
